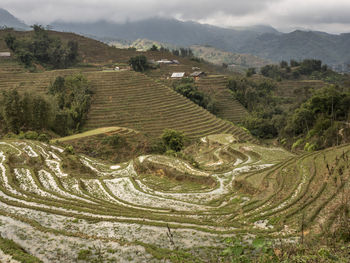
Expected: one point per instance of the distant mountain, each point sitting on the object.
(331, 49)
(211, 54)
(170, 31)
(218, 57)
(8, 20)
(262, 41)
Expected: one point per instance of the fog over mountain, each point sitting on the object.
(260, 40)
(7, 19)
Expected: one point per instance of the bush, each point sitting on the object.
(114, 140)
(69, 149)
(173, 140)
(187, 88)
(44, 138)
(139, 63)
(31, 135)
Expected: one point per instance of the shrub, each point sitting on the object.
(114, 140)
(139, 63)
(43, 138)
(173, 140)
(69, 149)
(31, 135)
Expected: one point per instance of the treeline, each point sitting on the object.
(320, 119)
(257, 96)
(62, 110)
(42, 49)
(181, 52)
(187, 88)
(311, 68)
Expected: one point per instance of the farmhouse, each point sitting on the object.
(178, 75)
(198, 74)
(5, 54)
(167, 61)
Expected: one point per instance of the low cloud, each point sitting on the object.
(333, 16)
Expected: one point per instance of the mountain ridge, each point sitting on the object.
(9, 20)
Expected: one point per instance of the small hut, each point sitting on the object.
(198, 74)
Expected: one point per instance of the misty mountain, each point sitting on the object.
(262, 41)
(331, 49)
(8, 20)
(170, 31)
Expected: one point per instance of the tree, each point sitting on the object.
(153, 48)
(190, 91)
(250, 72)
(73, 53)
(12, 110)
(139, 63)
(11, 42)
(44, 49)
(173, 140)
(283, 64)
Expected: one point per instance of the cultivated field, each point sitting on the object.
(61, 207)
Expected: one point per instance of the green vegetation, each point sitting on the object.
(257, 97)
(139, 63)
(24, 112)
(322, 121)
(173, 140)
(63, 110)
(73, 97)
(187, 88)
(310, 68)
(43, 49)
(317, 118)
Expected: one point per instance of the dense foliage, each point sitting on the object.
(173, 140)
(24, 112)
(43, 49)
(187, 88)
(316, 119)
(63, 110)
(139, 63)
(73, 97)
(322, 121)
(257, 97)
(310, 68)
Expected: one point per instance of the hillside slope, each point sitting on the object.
(228, 107)
(132, 100)
(91, 210)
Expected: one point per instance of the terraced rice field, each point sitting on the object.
(60, 212)
(37, 82)
(228, 107)
(133, 100)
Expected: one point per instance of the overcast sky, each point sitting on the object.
(286, 15)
